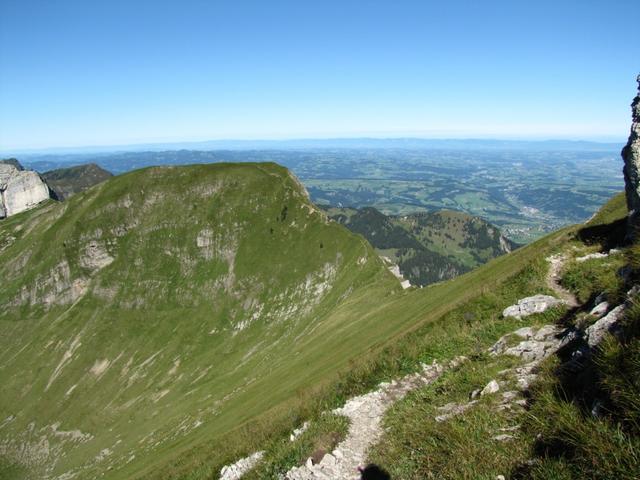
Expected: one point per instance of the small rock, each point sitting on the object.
(491, 387)
(299, 431)
(600, 309)
(510, 429)
(591, 256)
(453, 409)
(504, 437)
(508, 396)
(525, 382)
(328, 460)
(596, 410)
(237, 470)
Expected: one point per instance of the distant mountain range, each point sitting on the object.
(331, 143)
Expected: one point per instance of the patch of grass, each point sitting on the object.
(469, 329)
(575, 443)
(10, 470)
(592, 277)
(417, 447)
(560, 437)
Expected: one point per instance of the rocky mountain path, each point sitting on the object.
(365, 413)
(556, 265)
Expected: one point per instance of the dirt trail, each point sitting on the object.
(556, 264)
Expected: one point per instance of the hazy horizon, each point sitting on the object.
(414, 142)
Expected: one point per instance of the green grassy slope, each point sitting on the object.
(428, 247)
(149, 318)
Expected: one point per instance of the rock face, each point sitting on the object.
(631, 170)
(20, 190)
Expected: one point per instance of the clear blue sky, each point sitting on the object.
(116, 72)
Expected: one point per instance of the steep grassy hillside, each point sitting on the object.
(428, 247)
(168, 320)
(66, 182)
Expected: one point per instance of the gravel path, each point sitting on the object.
(556, 264)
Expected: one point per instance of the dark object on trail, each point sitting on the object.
(373, 472)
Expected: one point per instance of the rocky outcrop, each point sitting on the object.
(631, 170)
(20, 189)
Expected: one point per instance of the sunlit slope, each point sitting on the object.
(164, 305)
(219, 304)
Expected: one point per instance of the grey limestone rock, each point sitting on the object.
(609, 323)
(20, 190)
(242, 466)
(492, 387)
(530, 305)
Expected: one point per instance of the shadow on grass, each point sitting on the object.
(373, 472)
(609, 235)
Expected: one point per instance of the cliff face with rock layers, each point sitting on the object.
(20, 190)
(631, 157)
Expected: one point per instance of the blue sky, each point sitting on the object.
(75, 73)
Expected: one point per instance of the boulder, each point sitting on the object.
(530, 305)
(609, 323)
